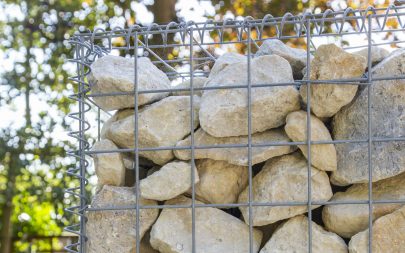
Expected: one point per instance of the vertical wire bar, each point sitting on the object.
(369, 135)
(309, 182)
(249, 98)
(98, 125)
(136, 117)
(193, 241)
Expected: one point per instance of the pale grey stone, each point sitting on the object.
(377, 54)
(198, 82)
(225, 60)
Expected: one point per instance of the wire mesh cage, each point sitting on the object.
(187, 52)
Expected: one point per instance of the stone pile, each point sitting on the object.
(281, 172)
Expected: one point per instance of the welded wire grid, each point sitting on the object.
(90, 45)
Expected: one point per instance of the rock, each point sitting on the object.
(220, 182)
(198, 82)
(225, 60)
(161, 124)
(224, 112)
(284, 179)
(109, 167)
(295, 56)
(170, 181)
(216, 231)
(388, 120)
(323, 156)
(292, 236)
(349, 219)
(330, 63)
(117, 74)
(388, 235)
(145, 246)
(119, 115)
(377, 54)
(237, 156)
(115, 231)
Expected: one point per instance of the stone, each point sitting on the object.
(387, 121)
(377, 54)
(168, 182)
(284, 179)
(348, 219)
(388, 235)
(145, 246)
(331, 63)
(225, 60)
(224, 112)
(323, 156)
(220, 182)
(297, 57)
(111, 74)
(292, 236)
(118, 115)
(160, 124)
(109, 167)
(198, 82)
(115, 230)
(237, 156)
(216, 231)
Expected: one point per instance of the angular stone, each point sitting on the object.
(330, 63)
(225, 60)
(323, 156)
(198, 82)
(387, 121)
(377, 54)
(115, 230)
(388, 235)
(117, 74)
(161, 124)
(284, 179)
(224, 112)
(220, 182)
(109, 167)
(292, 236)
(170, 181)
(349, 219)
(297, 57)
(237, 156)
(216, 231)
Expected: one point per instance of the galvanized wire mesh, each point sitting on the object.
(136, 41)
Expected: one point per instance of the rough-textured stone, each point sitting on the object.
(377, 54)
(347, 220)
(284, 179)
(163, 123)
(118, 115)
(387, 121)
(115, 231)
(292, 236)
(220, 182)
(224, 112)
(225, 60)
(216, 231)
(109, 167)
(388, 235)
(198, 82)
(170, 181)
(237, 156)
(297, 57)
(323, 156)
(330, 63)
(117, 74)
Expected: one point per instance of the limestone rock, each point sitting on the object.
(198, 82)
(161, 124)
(377, 54)
(224, 112)
(220, 182)
(115, 231)
(388, 120)
(323, 156)
(295, 56)
(216, 231)
(347, 220)
(284, 179)
(237, 156)
(170, 181)
(117, 74)
(331, 62)
(388, 235)
(118, 115)
(225, 60)
(292, 236)
(109, 166)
